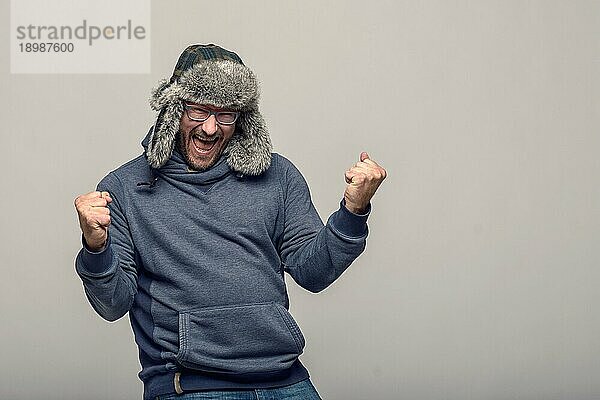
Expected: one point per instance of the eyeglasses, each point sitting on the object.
(200, 114)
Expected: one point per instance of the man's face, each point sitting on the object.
(202, 143)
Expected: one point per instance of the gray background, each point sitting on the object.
(481, 271)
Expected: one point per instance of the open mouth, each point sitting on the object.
(203, 146)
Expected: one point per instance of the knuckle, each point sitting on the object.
(80, 200)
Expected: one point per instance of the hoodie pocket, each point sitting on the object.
(241, 339)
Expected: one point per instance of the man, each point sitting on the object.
(193, 237)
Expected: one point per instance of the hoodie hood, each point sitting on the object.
(208, 74)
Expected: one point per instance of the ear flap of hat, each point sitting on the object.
(159, 95)
(162, 140)
(249, 151)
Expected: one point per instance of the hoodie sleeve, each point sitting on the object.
(110, 276)
(315, 255)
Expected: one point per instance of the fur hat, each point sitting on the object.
(209, 74)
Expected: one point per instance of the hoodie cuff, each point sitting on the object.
(97, 262)
(349, 223)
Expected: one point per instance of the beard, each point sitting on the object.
(195, 162)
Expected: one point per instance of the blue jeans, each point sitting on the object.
(303, 390)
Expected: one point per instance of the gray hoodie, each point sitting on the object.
(198, 261)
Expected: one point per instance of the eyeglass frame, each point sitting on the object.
(187, 106)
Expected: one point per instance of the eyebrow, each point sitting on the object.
(207, 107)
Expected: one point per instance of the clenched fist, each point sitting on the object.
(363, 180)
(94, 218)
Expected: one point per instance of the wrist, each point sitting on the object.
(355, 208)
(94, 247)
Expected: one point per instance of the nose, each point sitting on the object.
(210, 125)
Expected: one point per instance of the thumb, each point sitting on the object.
(364, 156)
